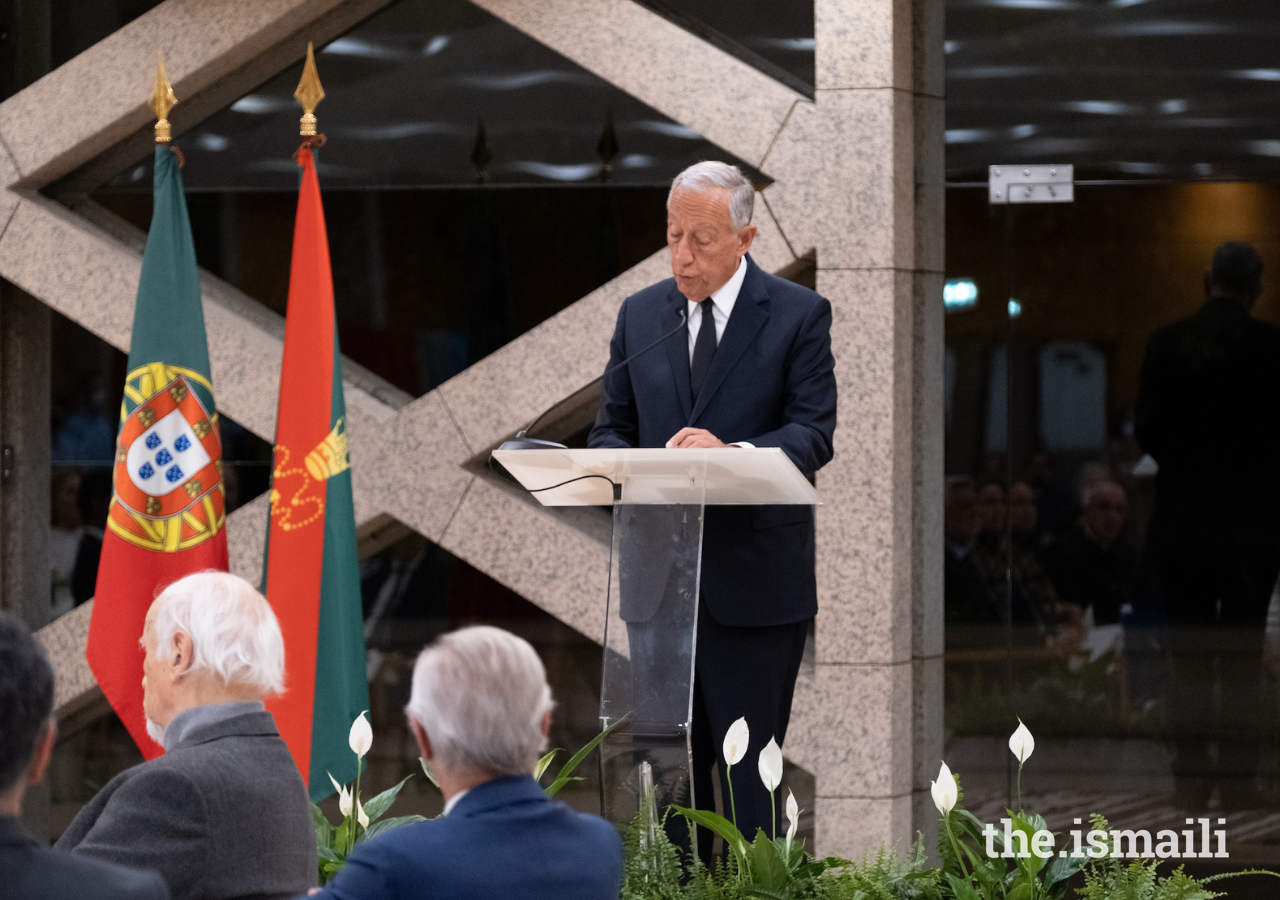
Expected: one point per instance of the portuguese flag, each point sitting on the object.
(167, 517)
(312, 570)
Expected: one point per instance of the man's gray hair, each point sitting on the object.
(234, 633)
(711, 174)
(480, 693)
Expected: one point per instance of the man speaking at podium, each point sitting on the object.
(751, 367)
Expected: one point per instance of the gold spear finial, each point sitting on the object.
(162, 100)
(309, 93)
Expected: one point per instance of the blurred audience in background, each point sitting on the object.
(75, 538)
(1091, 567)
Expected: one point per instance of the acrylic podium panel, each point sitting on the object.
(652, 607)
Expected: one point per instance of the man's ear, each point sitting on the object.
(44, 752)
(420, 735)
(183, 653)
(546, 723)
(746, 238)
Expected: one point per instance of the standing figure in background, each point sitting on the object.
(1208, 412)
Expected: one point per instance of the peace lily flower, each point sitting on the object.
(771, 765)
(361, 817)
(771, 774)
(944, 791)
(344, 802)
(735, 742)
(793, 816)
(1022, 744)
(945, 795)
(361, 737)
(735, 747)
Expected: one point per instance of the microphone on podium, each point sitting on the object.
(523, 442)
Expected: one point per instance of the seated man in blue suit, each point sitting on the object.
(28, 869)
(747, 362)
(480, 710)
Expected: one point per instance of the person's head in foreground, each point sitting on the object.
(709, 226)
(223, 813)
(1235, 273)
(209, 638)
(480, 709)
(27, 734)
(27, 730)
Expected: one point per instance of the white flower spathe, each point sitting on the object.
(944, 790)
(361, 737)
(1022, 743)
(771, 765)
(735, 742)
(360, 815)
(793, 816)
(344, 802)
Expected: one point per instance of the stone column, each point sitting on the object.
(863, 186)
(24, 479)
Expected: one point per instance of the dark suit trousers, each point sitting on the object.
(739, 672)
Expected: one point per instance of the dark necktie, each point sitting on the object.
(704, 349)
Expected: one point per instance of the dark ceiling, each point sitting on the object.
(1124, 89)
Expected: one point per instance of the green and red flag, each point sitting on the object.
(312, 569)
(167, 516)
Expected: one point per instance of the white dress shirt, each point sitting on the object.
(453, 801)
(721, 306)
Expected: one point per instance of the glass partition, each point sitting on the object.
(1112, 508)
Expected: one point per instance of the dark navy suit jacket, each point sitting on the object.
(29, 871)
(503, 839)
(772, 383)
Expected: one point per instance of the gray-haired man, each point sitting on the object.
(480, 710)
(224, 812)
(751, 366)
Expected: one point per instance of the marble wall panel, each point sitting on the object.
(533, 553)
(865, 524)
(411, 468)
(863, 45)
(845, 170)
(853, 827)
(927, 387)
(864, 747)
(508, 388)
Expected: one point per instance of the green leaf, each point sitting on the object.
(324, 831)
(767, 868)
(574, 761)
(961, 888)
(427, 771)
(720, 825)
(375, 808)
(386, 825)
(541, 767)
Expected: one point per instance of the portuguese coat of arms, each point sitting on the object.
(168, 471)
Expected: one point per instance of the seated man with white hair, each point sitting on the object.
(480, 710)
(223, 813)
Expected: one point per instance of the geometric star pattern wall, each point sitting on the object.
(857, 179)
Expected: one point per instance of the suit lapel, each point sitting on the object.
(678, 351)
(750, 312)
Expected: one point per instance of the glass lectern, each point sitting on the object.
(651, 611)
